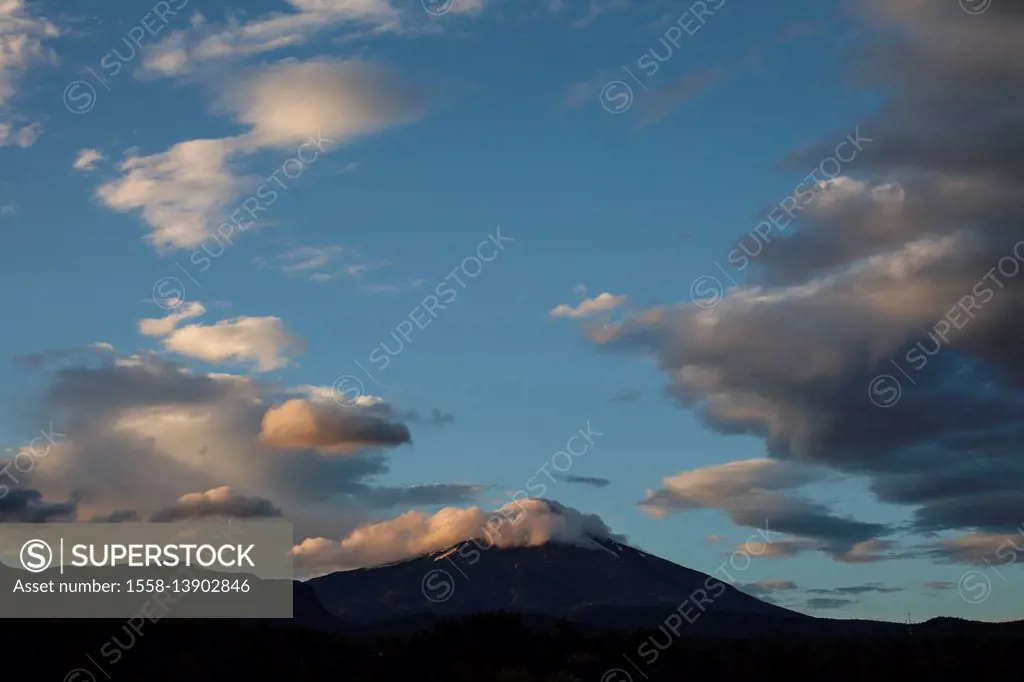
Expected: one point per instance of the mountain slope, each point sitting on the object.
(601, 580)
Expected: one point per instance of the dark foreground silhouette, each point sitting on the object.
(610, 614)
(503, 648)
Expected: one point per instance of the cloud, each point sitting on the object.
(765, 587)
(118, 516)
(626, 395)
(587, 92)
(331, 429)
(165, 325)
(439, 418)
(182, 193)
(261, 341)
(22, 35)
(25, 505)
(369, 404)
(750, 492)
(286, 102)
(597, 8)
(601, 303)
(659, 103)
(87, 159)
(868, 551)
(939, 584)
(421, 495)
(800, 29)
(320, 263)
(23, 137)
(858, 589)
(585, 480)
(220, 502)
(872, 273)
(205, 44)
(711, 486)
(457, 7)
(977, 549)
(303, 261)
(330, 395)
(140, 431)
(786, 548)
(43, 358)
(826, 603)
(527, 523)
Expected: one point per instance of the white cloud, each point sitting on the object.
(466, 7)
(87, 159)
(602, 303)
(165, 325)
(203, 44)
(262, 341)
(527, 523)
(21, 43)
(23, 137)
(179, 191)
(328, 394)
(184, 192)
(724, 484)
(289, 101)
(309, 262)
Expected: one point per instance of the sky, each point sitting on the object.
(379, 267)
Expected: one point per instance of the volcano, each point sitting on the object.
(589, 578)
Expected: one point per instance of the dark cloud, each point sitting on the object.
(139, 432)
(67, 355)
(26, 505)
(439, 418)
(907, 257)
(858, 589)
(118, 516)
(977, 549)
(217, 503)
(130, 383)
(307, 474)
(585, 480)
(298, 424)
(804, 518)
(827, 603)
(754, 493)
(417, 495)
(939, 584)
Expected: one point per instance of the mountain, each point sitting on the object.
(599, 583)
(595, 580)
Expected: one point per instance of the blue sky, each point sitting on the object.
(447, 127)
